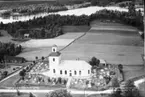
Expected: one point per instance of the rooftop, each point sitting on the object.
(74, 64)
(55, 54)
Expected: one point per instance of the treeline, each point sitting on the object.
(34, 9)
(9, 49)
(47, 27)
(50, 26)
(130, 18)
(106, 2)
(40, 33)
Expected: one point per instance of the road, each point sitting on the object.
(47, 91)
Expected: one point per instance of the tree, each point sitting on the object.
(43, 33)
(59, 93)
(18, 93)
(115, 82)
(116, 93)
(22, 74)
(31, 95)
(42, 58)
(5, 73)
(130, 90)
(94, 2)
(120, 67)
(60, 80)
(94, 62)
(36, 58)
(131, 8)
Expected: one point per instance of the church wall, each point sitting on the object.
(69, 73)
(54, 62)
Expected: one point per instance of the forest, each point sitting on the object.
(51, 26)
(10, 49)
(106, 2)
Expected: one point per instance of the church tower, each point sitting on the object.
(54, 58)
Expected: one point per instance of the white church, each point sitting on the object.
(64, 68)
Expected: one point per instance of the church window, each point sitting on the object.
(53, 59)
(53, 70)
(60, 71)
(65, 72)
(53, 50)
(75, 72)
(88, 71)
(80, 72)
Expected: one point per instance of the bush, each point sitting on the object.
(59, 93)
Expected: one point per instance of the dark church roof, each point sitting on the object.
(55, 54)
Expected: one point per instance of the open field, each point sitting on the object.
(6, 37)
(36, 43)
(31, 53)
(75, 29)
(41, 48)
(116, 47)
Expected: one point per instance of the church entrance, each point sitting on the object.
(70, 74)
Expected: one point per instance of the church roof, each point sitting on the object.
(74, 65)
(55, 54)
(54, 45)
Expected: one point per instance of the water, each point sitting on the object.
(77, 12)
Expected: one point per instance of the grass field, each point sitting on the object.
(41, 48)
(74, 29)
(115, 46)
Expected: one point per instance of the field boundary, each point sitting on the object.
(73, 41)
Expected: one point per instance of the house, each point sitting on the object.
(26, 35)
(12, 59)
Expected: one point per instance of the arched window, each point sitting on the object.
(53, 59)
(75, 73)
(53, 50)
(65, 72)
(88, 71)
(80, 72)
(53, 70)
(60, 71)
